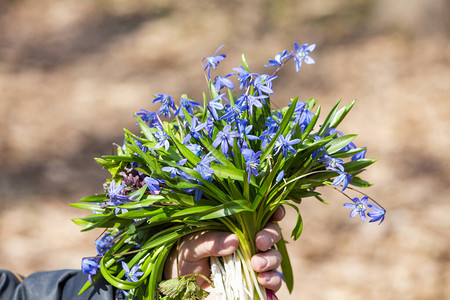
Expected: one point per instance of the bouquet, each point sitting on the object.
(225, 164)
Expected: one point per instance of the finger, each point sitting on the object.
(266, 261)
(208, 243)
(267, 237)
(270, 280)
(278, 214)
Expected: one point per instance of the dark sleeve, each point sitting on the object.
(52, 285)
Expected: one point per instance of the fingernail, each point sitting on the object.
(229, 242)
(263, 262)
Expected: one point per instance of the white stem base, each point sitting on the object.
(234, 278)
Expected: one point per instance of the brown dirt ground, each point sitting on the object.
(72, 74)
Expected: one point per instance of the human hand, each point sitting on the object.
(194, 252)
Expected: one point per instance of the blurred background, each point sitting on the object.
(72, 73)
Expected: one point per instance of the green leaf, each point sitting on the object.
(87, 206)
(94, 198)
(340, 115)
(226, 209)
(337, 144)
(283, 128)
(286, 266)
(328, 119)
(244, 63)
(297, 231)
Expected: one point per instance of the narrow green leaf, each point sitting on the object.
(94, 198)
(340, 115)
(283, 127)
(337, 144)
(87, 206)
(286, 266)
(328, 119)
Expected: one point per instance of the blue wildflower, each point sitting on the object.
(252, 161)
(90, 267)
(133, 274)
(360, 155)
(225, 138)
(153, 185)
(223, 81)
(188, 105)
(358, 207)
(376, 213)
(210, 126)
(162, 138)
(244, 77)
(344, 178)
(280, 176)
(266, 137)
(263, 84)
(285, 143)
(195, 130)
(244, 130)
(115, 193)
(302, 115)
(332, 163)
(302, 54)
(255, 101)
(204, 166)
(196, 149)
(214, 105)
(148, 117)
(279, 59)
(213, 61)
(104, 243)
(167, 106)
(233, 112)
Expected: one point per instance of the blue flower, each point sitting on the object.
(225, 138)
(358, 207)
(244, 77)
(376, 213)
(280, 176)
(279, 59)
(266, 137)
(223, 81)
(204, 167)
(116, 193)
(360, 155)
(285, 143)
(175, 171)
(252, 161)
(244, 130)
(167, 104)
(148, 116)
(302, 115)
(213, 61)
(162, 138)
(263, 84)
(302, 54)
(214, 105)
(332, 163)
(343, 178)
(153, 185)
(104, 243)
(188, 105)
(196, 149)
(133, 274)
(233, 112)
(255, 101)
(90, 266)
(195, 130)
